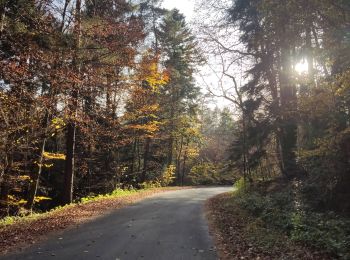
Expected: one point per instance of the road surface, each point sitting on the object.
(166, 226)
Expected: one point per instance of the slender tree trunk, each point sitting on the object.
(133, 156)
(35, 179)
(276, 108)
(178, 161)
(69, 167)
(67, 195)
(310, 55)
(114, 105)
(145, 159)
(288, 139)
(245, 150)
(4, 203)
(184, 166)
(5, 188)
(278, 134)
(154, 25)
(170, 151)
(2, 17)
(138, 157)
(109, 96)
(171, 137)
(64, 14)
(36, 174)
(314, 33)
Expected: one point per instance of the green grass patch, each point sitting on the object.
(118, 193)
(7, 221)
(115, 194)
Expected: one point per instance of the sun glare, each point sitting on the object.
(302, 67)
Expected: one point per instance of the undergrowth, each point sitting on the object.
(115, 194)
(285, 211)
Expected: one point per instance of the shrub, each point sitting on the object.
(168, 175)
(204, 174)
(151, 184)
(326, 231)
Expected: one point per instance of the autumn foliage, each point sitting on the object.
(85, 91)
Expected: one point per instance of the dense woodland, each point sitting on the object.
(101, 95)
(293, 91)
(96, 96)
(285, 67)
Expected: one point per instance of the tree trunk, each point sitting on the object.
(178, 161)
(138, 157)
(325, 70)
(109, 97)
(288, 95)
(171, 129)
(244, 129)
(2, 17)
(64, 13)
(133, 156)
(4, 203)
(170, 151)
(35, 179)
(145, 159)
(184, 166)
(36, 174)
(5, 189)
(67, 195)
(310, 55)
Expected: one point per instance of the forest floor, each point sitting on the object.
(26, 231)
(252, 226)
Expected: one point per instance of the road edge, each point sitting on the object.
(19, 236)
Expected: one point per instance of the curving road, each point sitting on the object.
(167, 226)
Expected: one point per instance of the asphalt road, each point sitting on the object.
(167, 226)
